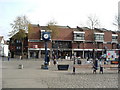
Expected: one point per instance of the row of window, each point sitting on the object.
(80, 36)
(99, 37)
(114, 38)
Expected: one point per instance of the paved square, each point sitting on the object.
(32, 76)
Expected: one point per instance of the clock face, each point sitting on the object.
(45, 36)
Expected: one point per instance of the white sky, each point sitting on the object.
(66, 12)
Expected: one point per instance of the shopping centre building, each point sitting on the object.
(79, 40)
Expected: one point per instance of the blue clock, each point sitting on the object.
(46, 35)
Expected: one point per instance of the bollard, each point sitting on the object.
(73, 70)
(119, 69)
(20, 66)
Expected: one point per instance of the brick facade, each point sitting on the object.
(66, 34)
(65, 44)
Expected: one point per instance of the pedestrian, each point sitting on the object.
(8, 58)
(101, 69)
(54, 62)
(119, 68)
(94, 69)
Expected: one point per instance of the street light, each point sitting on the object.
(105, 52)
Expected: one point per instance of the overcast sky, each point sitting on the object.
(65, 12)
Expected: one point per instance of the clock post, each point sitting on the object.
(46, 37)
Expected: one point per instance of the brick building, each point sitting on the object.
(79, 40)
(15, 47)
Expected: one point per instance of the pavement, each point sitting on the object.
(32, 76)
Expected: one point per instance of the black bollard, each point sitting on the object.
(73, 70)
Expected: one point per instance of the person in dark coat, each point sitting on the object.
(101, 69)
(54, 60)
(94, 69)
(48, 59)
(8, 58)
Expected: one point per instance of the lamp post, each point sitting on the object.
(94, 57)
(46, 54)
(57, 52)
(119, 60)
(74, 63)
(119, 63)
(105, 52)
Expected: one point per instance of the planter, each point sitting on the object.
(20, 66)
(63, 67)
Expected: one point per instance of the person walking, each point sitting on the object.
(8, 58)
(101, 69)
(54, 60)
(94, 69)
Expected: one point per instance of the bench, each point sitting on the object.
(82, 66)
(110, 66)
(63, 66)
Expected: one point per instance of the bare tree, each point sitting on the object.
(93, 22)
(117, 22)
(53, 27)
(21, 22)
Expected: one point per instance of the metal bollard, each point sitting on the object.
(73, 70)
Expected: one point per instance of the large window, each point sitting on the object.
(114, 37)
(78, 36)
(99, 37)
(18, 47)
(18, 41)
